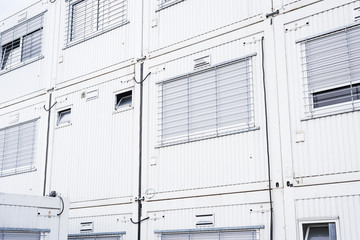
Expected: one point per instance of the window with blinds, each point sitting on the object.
(21, 43)
(331, 68)
(89, 18)
(19, 235)
(17, 148)
(97, 236)
(251, 234)
(207, 103)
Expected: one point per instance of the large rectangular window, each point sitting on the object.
(97, 236)
(331, 68)
(21, 43)
(18, 234)
(17, 148)
(210, 102)
(88, 18)
(212, 234)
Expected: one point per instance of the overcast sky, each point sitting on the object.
(11, 6)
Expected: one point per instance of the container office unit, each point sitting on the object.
(239, 98)
(33, 217)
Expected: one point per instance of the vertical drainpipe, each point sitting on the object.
(139, 199)
(47, 143)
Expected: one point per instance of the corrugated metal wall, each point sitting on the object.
(188, 19)
(228, 211)
(329, 141)
(104, 144)
(31, 78)
(100, 52)
(202, 164)
(342, 208)
(31, 182)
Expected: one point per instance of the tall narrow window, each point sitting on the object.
(331, 71)
(209, 102)
(21, 43)
(88, 18)
(17, 148)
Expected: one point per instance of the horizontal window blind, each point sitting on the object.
(21, 43)
(98, 236)
(331, 68)
(87, 18)
(220, 235)
(17, 148)
(206, 103)
(13, 235)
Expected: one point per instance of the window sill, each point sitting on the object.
(123, 109)
(22, 170)
(63, 125)
(332, 111)
(169, 4)
(173, 143)
(94, 35)
(2, 72)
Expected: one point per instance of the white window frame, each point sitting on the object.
(97, 236)
(59, 114)
(18, 169)
(316, 222)
(308, 94)
(244, 126)
(42, 232)
(123, 107)
(22, 58)
(255, 231)
(95, 30)
(167, 3)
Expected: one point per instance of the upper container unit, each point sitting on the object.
(95, 36)
(183, 21)
(206, 117)
(322, 57)
(24, 53)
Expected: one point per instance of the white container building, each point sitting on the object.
(186, 119)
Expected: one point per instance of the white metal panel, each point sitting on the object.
(31, 77)
(226, 214)
(30, 212)
(345, 209)
(188, 19)
(92, 156)
(329, 145)
(98, 52)
(202, 164)
(29, 182)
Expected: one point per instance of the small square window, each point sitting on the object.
(123, 99)
(319, 231)
(64, 116)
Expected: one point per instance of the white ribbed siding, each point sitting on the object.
(330, 142)
(30, 79)
(105, 219)
(100, 52)
(222, 161)
(30, 182)
(345, 209)
(235, 210)
(92, 158)
(188, 19)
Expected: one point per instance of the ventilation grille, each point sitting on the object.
(86, 227)
(357, 12)
(203, 220)
(202, 62)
